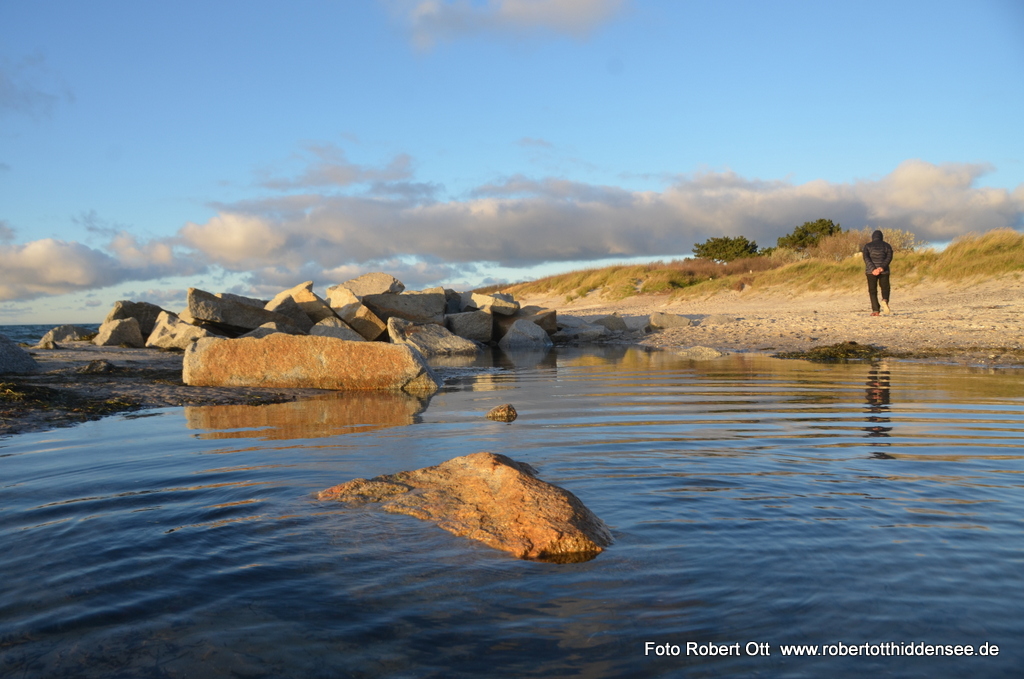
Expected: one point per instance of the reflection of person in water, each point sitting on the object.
(877, 397)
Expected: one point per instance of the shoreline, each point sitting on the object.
(978, 325)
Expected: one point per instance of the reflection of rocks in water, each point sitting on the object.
(457, 361)
(879, 455)
(482, 372)
(327, 415)
(522, 359)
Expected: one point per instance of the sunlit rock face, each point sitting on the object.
(375, 283)
(120, 332)
(430, 339)
(490, 498)
(170, 332)
(283, 361)
(426, 306)
(498, 303)
(311, 304)
(143, 312)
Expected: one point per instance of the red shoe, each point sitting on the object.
(874, 313)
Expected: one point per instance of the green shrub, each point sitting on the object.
(725, 249)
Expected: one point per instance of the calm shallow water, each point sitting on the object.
(751, 499)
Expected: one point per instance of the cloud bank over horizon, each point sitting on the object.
(335, 220)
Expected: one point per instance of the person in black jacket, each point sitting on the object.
(877, 257)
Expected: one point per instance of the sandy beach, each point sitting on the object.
(973, 325)
(978, 324)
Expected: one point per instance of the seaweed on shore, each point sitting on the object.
(838, 353)
(18, 397)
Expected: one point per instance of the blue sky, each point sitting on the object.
(250, 146)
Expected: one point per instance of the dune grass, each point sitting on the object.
(973, 256)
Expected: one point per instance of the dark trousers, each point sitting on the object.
(874, 282)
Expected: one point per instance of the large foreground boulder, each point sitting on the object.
(282, 361)
(429, 339)
(14, 360)
(490, 498)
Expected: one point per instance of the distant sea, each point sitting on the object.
(31, 334)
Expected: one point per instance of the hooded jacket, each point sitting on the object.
(877, 253)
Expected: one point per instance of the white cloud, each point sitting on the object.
(278, 241)
(238, 241)
(523, 221)
(54, 267)
(432, 21)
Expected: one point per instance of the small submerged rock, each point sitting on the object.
(503, 413)
(490, 498)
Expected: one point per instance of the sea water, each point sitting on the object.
(863, 511)
(31, 334)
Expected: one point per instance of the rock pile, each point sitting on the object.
(373, 308)
(436, 321)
